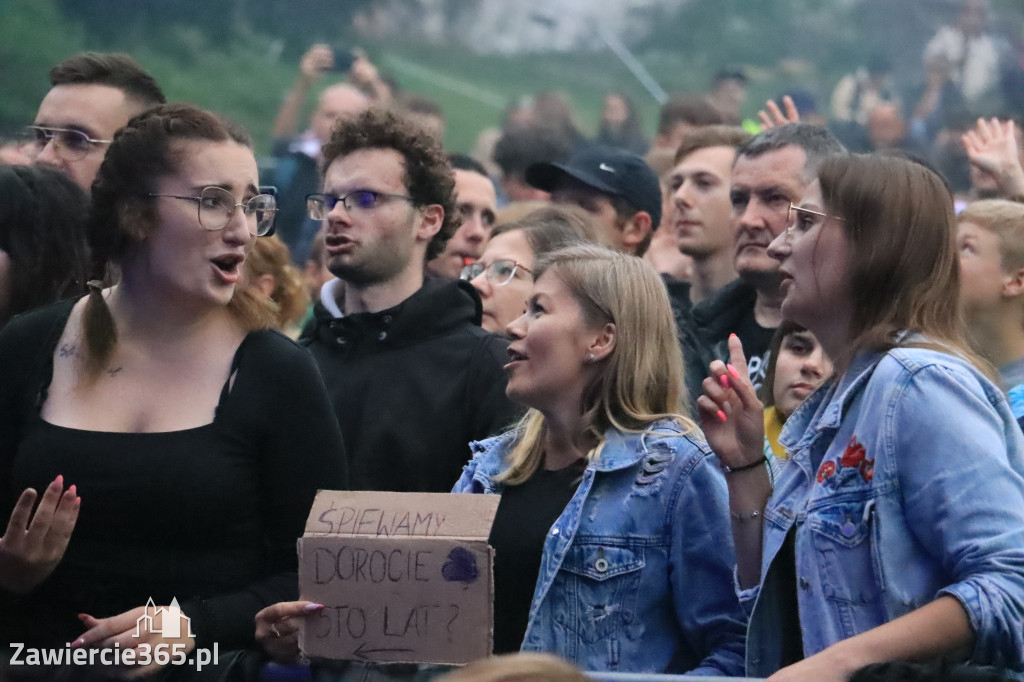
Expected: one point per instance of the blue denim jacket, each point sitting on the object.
(636, 573)
(904, 483)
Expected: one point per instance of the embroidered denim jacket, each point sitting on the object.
(903, 484)
(636, 573)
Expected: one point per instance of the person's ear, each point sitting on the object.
(266, 284)
(603, 343)
(431, 220)
(1013, 284)
(636, 231)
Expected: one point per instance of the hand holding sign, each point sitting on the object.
(277, 628)
(403, 577)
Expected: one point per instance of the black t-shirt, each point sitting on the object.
(757, 341)
(207, 515)
(525, 514)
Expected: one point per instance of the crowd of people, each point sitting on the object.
(753, 401)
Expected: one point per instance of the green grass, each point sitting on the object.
(246, 80)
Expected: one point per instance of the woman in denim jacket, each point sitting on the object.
(612, 536)
(896, 528)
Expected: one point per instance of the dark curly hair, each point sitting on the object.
(428, 174)
(124, 214)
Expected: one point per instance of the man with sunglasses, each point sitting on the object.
(412, 375)
(93, 96)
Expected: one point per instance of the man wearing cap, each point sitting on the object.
(617, 188)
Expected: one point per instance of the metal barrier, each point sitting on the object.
(295, 673)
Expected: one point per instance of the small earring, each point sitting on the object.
(590, 357)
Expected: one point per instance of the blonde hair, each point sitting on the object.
(270, 256)
(517, 667)
(1006, 220)
(641, 381)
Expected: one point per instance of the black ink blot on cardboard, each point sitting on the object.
(460, 566)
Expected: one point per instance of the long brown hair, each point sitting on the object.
(903, 268)
(124, 214)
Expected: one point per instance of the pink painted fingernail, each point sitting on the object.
(72, 490)
(724, 379)
(77, 643)
(733, 372)
(721, 415)
(59, 480)
(310, 608)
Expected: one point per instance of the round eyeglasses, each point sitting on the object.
(217, 205)
(356, 201)
(499, 273)
(68, 144)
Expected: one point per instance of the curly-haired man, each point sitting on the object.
(412, 375)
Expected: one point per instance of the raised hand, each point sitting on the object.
(774, 116)
(34, 544)
(318, 59)
(731, 414)
(993, 149)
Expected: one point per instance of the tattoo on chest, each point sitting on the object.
(68, 350)
(114, 372)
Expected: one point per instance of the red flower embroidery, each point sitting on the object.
(854, 454)
(825, 470)
(867, 469)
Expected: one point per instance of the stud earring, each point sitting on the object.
(590, 357)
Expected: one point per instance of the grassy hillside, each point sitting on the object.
(247, 78)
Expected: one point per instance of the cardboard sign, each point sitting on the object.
(403, 577)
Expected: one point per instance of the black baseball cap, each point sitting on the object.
(608, 170)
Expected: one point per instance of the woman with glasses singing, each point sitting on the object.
(504, 274)
(144, 418)
(612, 534)
(895, 530)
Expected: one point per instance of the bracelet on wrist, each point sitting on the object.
(746, 467)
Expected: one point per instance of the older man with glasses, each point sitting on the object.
(93, 96)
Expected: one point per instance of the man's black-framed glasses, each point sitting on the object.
(356, 201)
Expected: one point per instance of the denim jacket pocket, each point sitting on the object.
(841, 534)
(599, 589)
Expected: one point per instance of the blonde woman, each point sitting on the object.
(612, 535)
(269, 269)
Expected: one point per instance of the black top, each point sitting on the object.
(412, 386)
(730, 310)
(525, 514)
(789, 629)
(207, 515)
